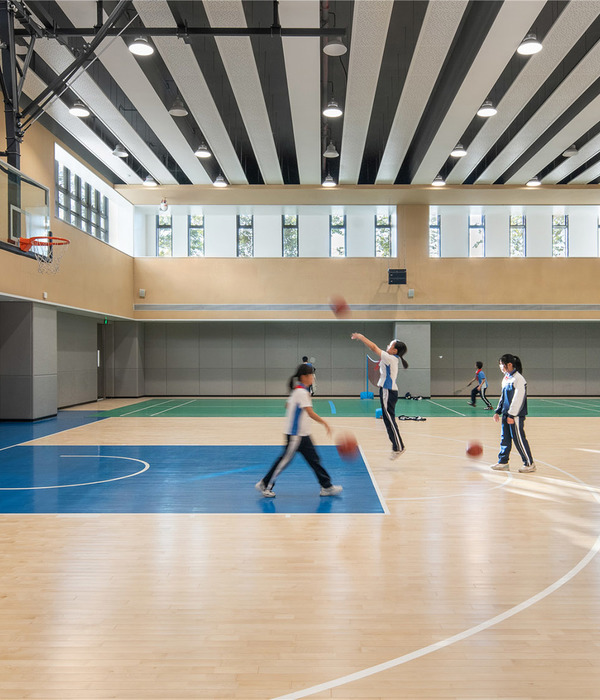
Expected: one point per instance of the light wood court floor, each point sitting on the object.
(478, 584)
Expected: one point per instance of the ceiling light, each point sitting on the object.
(487, 109)
(150, 181)
(529, 46)
(332, 109)
(438, 181)
(79, 110)
(163, 206)
(202, 151)
(120, 152)
(141, 47)
(178, 109)
(335, 47)
(220, 181)
(331, 151)
(329, 181)
(459, 151)
(534, 182)
(571, 151)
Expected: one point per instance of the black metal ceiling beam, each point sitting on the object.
(185, 32)
(36, 107)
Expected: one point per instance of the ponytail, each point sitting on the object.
(514, 360)
(401, 350)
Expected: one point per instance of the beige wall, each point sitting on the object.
(96, 277)
(93, 275)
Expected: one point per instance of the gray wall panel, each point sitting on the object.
(183, 381)
(155, 381)
(248, 345)
(45, 391)
(248, 381)
(282, 349)
(215, 345)
(77, 359)
(16, 398)
(155, 345)
(183, 350)
(216, 382)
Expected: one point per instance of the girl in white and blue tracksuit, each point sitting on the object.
(389, 362)
(298, 414)
(512, 410)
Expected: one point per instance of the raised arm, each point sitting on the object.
(365, 341)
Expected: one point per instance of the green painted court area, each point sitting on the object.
(426, 408)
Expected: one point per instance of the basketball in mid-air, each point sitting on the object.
(474, 449)
(347, 446)
(339, 306)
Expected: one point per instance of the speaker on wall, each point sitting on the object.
(396, 276)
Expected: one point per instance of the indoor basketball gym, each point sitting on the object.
(181, 226)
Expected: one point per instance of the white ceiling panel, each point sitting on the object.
(238, 59)
(303, 67)
(569, 27)
(439, 27)
(59, 111)
(183, 66)
(371, 21)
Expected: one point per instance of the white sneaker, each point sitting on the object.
(331, 490)
(526, 468)
(500, 467)
(267, 493)
(395, 455)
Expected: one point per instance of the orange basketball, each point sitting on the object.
(347, 446)
(339, 306)
(474, 449)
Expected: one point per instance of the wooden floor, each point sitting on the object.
(478, 584)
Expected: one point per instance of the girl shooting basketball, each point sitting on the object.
(299, 410)
(388, 389)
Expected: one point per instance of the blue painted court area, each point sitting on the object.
(173, 479)
(17, 432)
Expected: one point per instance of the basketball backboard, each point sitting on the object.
(24, 204)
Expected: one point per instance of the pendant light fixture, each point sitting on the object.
(329, 181)
(335, 47)
(150, 181)
(331, 151)
(571, 151)
(487, 109)
(79, 110)
(220, 181)
(178, 109)
(332, 109)
(141, 47)
(438, 181)
(458, 151)
(534, 182)
(119, 151)
(529, 46)
(202, 151)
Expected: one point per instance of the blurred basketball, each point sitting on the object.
(347, 446)
(339, 306)
(474, 449)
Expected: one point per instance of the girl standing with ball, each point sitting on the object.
(512, 409)
(388, 389)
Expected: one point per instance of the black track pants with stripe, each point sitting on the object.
(476, 390)
(514, 432)
(388, 399)
(304, 445)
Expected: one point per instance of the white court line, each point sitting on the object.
(386, 510)
(87, 483)
(359, 675)
(144, 408)
(570, 405)
(185, 403)
(446, 407)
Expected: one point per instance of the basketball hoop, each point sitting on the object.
(48, 251)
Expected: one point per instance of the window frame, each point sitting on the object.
(565, 227)
(192, 227)
(344, 228)
(438, 227)
(511, 227)
(239, 227)
(388, 226)
(83, 206)
(471, 227)
(288, 227)
(161, 227)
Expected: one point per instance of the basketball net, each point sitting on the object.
(48, 251)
